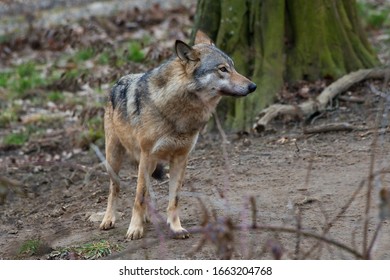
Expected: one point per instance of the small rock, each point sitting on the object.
(98, 217)
(95, 217)
(37, 169)
(57, 212)
(246, 142)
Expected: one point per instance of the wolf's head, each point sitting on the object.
(212, 70)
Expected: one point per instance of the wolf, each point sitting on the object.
(156, 116)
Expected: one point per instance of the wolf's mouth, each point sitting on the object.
(239, 92)
(233, 94)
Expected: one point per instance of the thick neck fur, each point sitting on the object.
(176, 96)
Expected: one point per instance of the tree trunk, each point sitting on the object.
(277, 41)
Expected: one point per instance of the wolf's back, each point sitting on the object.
(123, 94)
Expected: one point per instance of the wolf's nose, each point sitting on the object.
(252, 87)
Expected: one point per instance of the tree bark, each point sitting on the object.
(278, 41)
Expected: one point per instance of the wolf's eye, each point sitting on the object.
(223, 69)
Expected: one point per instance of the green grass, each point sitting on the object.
(7, 116)
(53, 75)
(92, 250)
(93, 133)
(55, 96)
(146, 40)
(5, 38)
(26, 70)
(15, 139)
(95, 128)
(74, 73)
(135, 52)
(30, 247)
(95, 250)
(4, 77)
(24, 77)
(372, 16)
(104, 58)
(84, 54)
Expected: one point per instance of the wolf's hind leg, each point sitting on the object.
(114, 157)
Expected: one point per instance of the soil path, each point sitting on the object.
(311, 178)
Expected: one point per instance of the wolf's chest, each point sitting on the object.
(167, 145)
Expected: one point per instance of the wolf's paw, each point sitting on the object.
(108, 221)
(107, 224)
(180, 233)
(134, 233)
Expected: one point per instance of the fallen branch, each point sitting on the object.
(329, 127)
(379, 131)
(318, 104)
(99, 154)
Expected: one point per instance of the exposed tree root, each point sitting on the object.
(318, 104)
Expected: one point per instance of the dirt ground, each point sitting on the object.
(291, 176)
(299, 184)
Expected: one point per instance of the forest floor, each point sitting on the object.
(297, 187)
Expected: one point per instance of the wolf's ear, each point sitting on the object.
(185, 52)
(202, 38)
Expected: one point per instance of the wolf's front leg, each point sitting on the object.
(177, 169)
(136, 227)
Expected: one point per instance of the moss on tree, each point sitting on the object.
(278, 41)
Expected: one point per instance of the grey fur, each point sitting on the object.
(141, 92)
(118, 95)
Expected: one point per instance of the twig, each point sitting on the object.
(379, 131)
(155, 218)
(220, 129)
(312, 235)
(330, 127)
(376, 234)
(354, 99)
(366, 251)
(254, 211)
(225, 155)
(299, 229)
(294, 231)
(100, 155)
(245, 224)
(195, 158)
(163, 182)
(334, 220)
